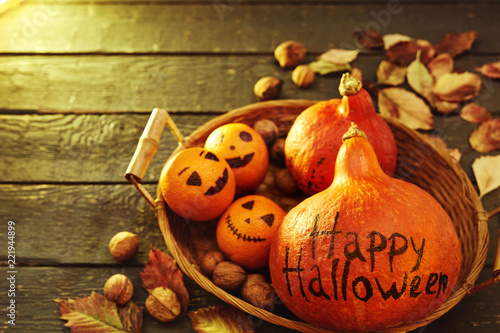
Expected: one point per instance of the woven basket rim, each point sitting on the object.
(283, 107)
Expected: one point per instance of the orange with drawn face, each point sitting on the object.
(244, 150)
(245, 230)
(197, 184)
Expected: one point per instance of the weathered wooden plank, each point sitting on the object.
(177, 83)
(37, 287)
(55, 27)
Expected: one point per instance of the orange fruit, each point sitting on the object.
(197, 184)
(244, 150)
(246, 228)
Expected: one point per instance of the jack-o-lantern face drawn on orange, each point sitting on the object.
(197, 184)
(244, 150)
(245, 230)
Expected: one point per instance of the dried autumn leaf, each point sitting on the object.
(487, 172)
(426, 49)
(95, 314)
(439, 144)
(391, 74)
(456, 43)
(402, 53)
(457, 87)
(357, 73)
(369, 39)
(491, 70)
(339, 56)
(420, 79)
(391, 39)
(475, 113)
(324, 67)
(406, 107)
(442, 64)
(486, 137)
(221, 318)
(443, 106)
(162, 271)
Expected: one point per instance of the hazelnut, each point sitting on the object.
(163, 304)
(303, 76)
(267, 130)
(118, 289)
(268, 87)
(124, 245)
(210, 260)
(290, 54)
(284, 181)
(277, 151)
(228, 275)
(260, 295)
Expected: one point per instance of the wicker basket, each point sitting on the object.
(418, 163)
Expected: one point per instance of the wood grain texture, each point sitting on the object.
(237, 26)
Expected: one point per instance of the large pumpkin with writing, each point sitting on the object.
(369, 253)
(314, 140)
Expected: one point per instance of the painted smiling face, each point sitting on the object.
(245, 230)
(244, 150)
(197, 184)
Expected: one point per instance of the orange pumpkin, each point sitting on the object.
(245, 230)
(314, 139)
(369, 253)
(244, 150)
(197, 184)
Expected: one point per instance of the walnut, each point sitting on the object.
(210, 260)
(163, 304)
(277, 151)
(268, 87)
(267, 130)
(119, 289)
(124, 245)
(303, 76)
(258, 292)
(285, 182)
(290, 54)
(228, 275)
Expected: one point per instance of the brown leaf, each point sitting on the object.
(439, 144)
(402, 53)
(162, 271)
(95, 314)
(486, 137)
(369, 39)
(440, 65)
(339, 56)
(391, 74)
(391, 39)
(405, 106)
(491, 70)
(487, 172)
(427, 51)
(475, 113)
(456, 43)
(221, 318)
(457, 87)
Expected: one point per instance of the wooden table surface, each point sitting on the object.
(79, 79)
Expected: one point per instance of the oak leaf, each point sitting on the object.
(487, 172)
(390, 74)
(221, 318)
(339, 56)
(491, 70)
(457, 87)
(442, 64)
(405, 106)
(475, 113)
(486, 137)
(369, 39)
(96, 314)
(162, 271)
(456, 43)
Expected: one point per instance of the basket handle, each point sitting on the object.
(147, 147)
(496, 266)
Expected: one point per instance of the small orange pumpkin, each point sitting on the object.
(244, 150)
(367, 254)
(197, 184)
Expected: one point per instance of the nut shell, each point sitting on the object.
(303, 76)
(124, 245)
(119, 289)
(228, 275)
(210, 260)
(267, 129)
(268, 87)
(290, 54)
(261, 295)
(163, 304)
(285, 182)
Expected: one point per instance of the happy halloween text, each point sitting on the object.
(360, 286)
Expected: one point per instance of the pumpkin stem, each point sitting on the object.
(349, 85)
(353, 132)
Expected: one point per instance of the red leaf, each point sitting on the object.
(491, 70)
(456, 43)
(162, 271)
(369, 39)
(96, 314)
(221, 318)
(475, 113)
(486, 137)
